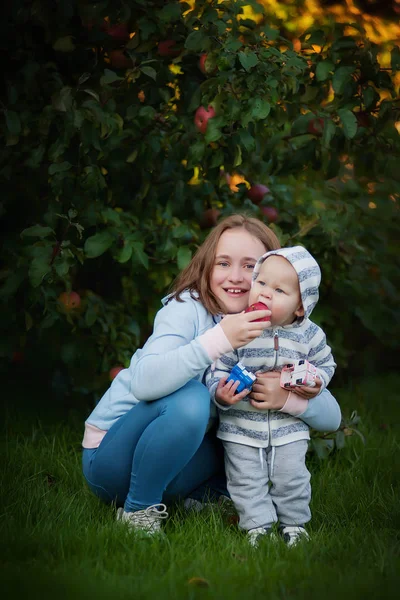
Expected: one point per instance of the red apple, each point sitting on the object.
(201, 117)
(270, 213)
(118, 31)
(69, 301)
(316, 126)
(119, 60)
(257, 192)
(210, 217)
(363, 118)
(203, 65)
(114, 371)
(168, 48)
(258, 306)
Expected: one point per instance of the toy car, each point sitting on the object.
(240, 373)
(301, 372)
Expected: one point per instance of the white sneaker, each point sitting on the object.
(147, 521)
(293, 534)
(255, 535)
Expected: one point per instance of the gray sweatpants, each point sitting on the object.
(258, 504)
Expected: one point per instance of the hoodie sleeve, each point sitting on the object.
(175, 353)
(219, 369)
(320, 356)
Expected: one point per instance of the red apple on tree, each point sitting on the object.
(118, 31)
(258, 306)
(119, 60)
(203, 64)
(316, 126)
(202, 116)
(270, 213)
(114, 371)
(69, 301)
(257, 192)
(210, 217)
(168, 48)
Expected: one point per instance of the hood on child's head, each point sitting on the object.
(308, 273)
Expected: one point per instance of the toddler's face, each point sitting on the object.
(277, 286)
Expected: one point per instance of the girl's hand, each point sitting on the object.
(306, 392)
(225, 392)
(240, 329)
(267, 393)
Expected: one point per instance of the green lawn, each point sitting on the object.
(58, 541)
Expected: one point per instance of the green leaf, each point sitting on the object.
(395, 59)
(62, 267)
(150, 72)
(109, 77)
(13, 122)
(90, 316)
(39, 231)
(246, 139)
(139, 255)
(184, 256)
(238, 156)
(12, 284)
(35, 157)
(92, 93)
(62, 100)
(97, 244)
(197, 41)
(170, 12)
(196, 150)
(341, 78)
(322, 447)
(64, 44)
(59, 167)
(349, 122)
(323, 70)
(328, 132)
(40, 265)
(370, 97)
(233, 45)
(213, 132)
(126, 252)
(248, 60)
(259, 109)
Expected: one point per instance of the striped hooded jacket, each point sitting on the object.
(277, 346)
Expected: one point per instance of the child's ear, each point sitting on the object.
(300, 311)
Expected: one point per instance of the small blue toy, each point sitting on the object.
(240, 373)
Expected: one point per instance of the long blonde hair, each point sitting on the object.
(196, 276)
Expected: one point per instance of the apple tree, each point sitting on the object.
(130, 127)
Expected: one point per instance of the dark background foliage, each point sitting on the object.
(109, 187)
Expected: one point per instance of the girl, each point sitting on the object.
(146, 439)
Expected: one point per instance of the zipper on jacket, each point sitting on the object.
(276, 349)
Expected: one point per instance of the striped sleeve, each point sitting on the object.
(219, 369)
(320, 355)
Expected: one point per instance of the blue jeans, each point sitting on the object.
(158, 451)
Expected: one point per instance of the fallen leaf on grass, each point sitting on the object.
(198, 581)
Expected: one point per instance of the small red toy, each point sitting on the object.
(258, 306)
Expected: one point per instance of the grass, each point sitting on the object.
(58, 541)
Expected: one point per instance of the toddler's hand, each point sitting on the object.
(306, 392)
(225, 392)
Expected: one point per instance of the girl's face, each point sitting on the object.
(237, 253)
